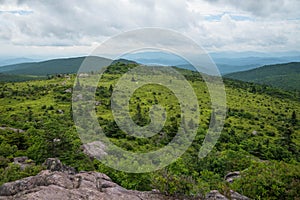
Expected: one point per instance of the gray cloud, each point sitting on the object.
(265, 8)
(72, 21)
(63, 24)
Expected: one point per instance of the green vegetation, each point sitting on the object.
(261, 136)
(18, 78)
(46, 69)
(283, 76)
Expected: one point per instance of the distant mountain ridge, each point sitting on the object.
(56, 66)
(227, 62)
(284, 76)
(12, 61)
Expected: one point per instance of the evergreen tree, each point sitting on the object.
(294, 119)
(111, 89)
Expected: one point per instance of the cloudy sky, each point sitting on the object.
(55, 28)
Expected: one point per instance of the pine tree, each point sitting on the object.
(294, 119)
(111, 89)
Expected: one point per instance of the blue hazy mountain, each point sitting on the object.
(11, 61)
(156, 58)
(227, 62)
(57, 66)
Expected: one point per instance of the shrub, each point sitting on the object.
(269, 180)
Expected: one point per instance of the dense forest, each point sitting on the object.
(283, 76)
(260, 138)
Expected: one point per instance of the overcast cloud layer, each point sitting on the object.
(70, 28)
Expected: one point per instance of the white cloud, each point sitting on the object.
(281, 9)
(75, 27)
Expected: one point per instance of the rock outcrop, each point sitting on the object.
(60, 182)
(60, 185)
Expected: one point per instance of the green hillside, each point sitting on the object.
(40, 70)
(67, 65)
(19, 78)
(284, 76)
(260, 138)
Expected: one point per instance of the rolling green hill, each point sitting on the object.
(260, 138)
(284, 76)
(56, 66)
(40, 70)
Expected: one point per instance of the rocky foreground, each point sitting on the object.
(60, 182)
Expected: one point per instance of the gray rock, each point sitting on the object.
(59, 111)
(54, 164)
(23, 162)
(95, 149)
(61, 185)
(83, 75)
(216, 195)
(236, 196)
(231, 176)
(62, 182)
(69, 90)
(12, 129)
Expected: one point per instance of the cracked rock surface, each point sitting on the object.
(60, 185)
(60, 182)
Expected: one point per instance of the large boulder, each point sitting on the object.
(216, 195)
(62, 182)
(60, 185)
